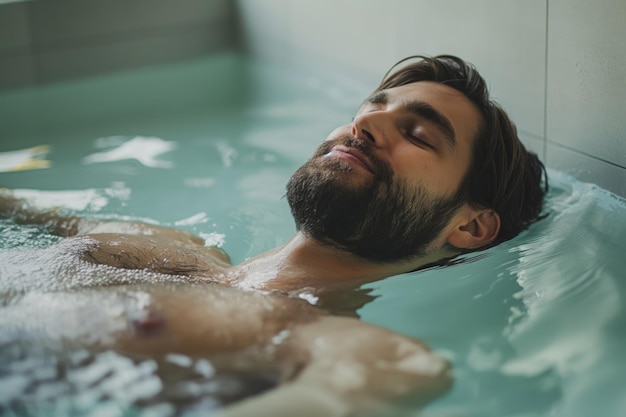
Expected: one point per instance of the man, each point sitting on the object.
(429, 168)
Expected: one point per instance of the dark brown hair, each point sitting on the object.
(503, 175)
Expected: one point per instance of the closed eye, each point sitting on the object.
(419, 141)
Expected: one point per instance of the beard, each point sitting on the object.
(383, 220)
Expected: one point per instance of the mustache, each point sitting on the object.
(382, 168)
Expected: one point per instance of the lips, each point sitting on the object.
(352, 154)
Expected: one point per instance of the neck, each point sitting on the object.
(303, 263)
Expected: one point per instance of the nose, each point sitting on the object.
(371, 126)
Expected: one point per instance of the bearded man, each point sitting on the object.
(429, 168)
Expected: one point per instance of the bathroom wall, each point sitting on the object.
(45, 41)
(557, 66)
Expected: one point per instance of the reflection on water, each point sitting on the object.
(142, 149)
(24, 159)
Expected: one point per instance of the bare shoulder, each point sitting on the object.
(154, 253)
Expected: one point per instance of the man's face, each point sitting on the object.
(384, 187)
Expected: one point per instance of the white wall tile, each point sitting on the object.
(265, 28)
(88, 59)
(534, 144)
(57, 23)
(585, 168)
(163, 13)
(587, 77)
(504, 39)
(16, 71)
(14, 29)
(358, 35)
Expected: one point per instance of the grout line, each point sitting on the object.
(578, 151)
(123, 36)
(545, 87)
(33, 48)
(532, 135)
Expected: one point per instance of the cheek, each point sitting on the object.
(414, 165)
(455, 172)
(424, 171)
(446, 180)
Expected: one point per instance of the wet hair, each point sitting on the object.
(503, 175)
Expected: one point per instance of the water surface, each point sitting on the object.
(533, 327)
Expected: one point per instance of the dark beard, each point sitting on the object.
(382, 220)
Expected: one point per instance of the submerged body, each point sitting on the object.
(146, 291)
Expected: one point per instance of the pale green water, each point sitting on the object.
(533, 327)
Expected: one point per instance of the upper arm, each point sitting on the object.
(368, 362)
(143, 252)
(352, 368)
(19, 210)
(161, 236)
(106, 232)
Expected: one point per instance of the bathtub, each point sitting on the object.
(532, 327)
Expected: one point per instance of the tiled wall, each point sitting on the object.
(557, 66)
(51, 40)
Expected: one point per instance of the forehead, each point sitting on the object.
(463, 115)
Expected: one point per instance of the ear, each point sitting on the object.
(479, 230)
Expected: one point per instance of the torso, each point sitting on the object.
(97, 291)
(144, 314)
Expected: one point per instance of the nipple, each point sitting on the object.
(143, 317)
(148, 323)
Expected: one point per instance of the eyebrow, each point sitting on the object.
(424, 110)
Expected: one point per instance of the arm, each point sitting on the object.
(20, 212)
(353, 368)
